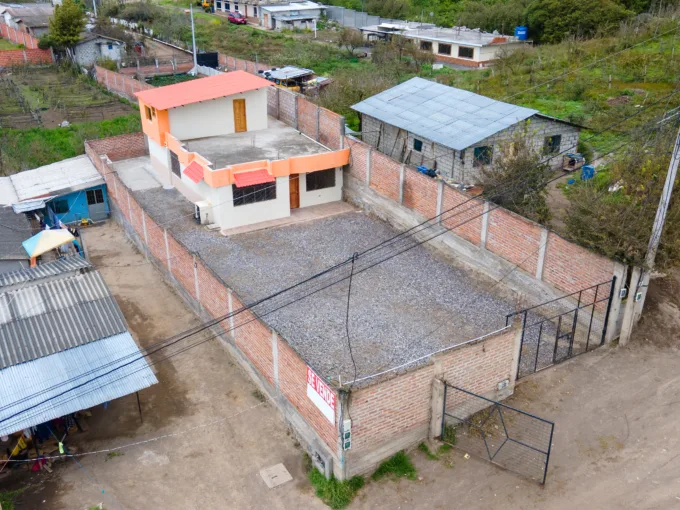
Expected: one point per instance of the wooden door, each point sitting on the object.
(266, 20)
(240, 125)
(294, 191)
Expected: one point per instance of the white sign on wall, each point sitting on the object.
(322, 396)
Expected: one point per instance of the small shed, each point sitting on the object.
(92, 47)
(301, 15)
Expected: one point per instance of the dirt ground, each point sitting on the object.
(212, 467)
(616, 442)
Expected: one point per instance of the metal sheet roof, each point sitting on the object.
(287, 72)
(52, 375)
(53, 268)
(73, 174)
(14, 229)
(446, 115)
(44, 317)
(294, 6)
(7, 194)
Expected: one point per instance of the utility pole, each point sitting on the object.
(94, 4)
(193, 37)
(640, 278)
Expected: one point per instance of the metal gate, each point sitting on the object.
(563, 328)
(505, 436)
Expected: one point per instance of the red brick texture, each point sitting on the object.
(462, 61)
(462, 215)
(251, 336)
(420, 193)
(122, 85)
(18, 37)
(10, 58)
(307, 117)
(385, 175)
(514, 238)
(358, 161)
(396, 406)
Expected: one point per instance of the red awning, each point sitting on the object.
(244, 179)
(194, 172)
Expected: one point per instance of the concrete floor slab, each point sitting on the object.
(278, 141)
(315, 212)
(275, 475)
(137, 173)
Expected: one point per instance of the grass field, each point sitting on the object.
(7, 45)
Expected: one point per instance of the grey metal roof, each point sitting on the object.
(446, 115)
(43, 317)
(287, 72)
(47, 377)
(14, 229)
(53, 268)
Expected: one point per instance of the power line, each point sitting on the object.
(349, 294)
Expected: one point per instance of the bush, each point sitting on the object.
(334, 493)
(107, 63)
(585, 150)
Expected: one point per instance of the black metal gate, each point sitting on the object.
(503, 435)
(563, 328)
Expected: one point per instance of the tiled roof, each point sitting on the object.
(243, 179)
(203, 89)
(194, 172)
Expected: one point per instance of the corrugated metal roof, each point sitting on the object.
(66, 176)
(14, 230)
(287, 72)
(53, 268)
(7, 194)
(446, 115)
(49, 316)
(52, 375)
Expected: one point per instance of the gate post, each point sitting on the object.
(437, 408)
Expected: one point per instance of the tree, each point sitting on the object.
(66, 24)
(519, 161)
(350, 39)
(550, 21)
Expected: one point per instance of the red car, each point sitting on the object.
(237, 18)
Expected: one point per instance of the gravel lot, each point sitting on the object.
(404, 308)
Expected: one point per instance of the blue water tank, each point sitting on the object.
(522, 33)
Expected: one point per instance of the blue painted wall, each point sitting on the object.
(77, 205)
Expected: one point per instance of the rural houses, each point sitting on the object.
(31, 18)
(455, 132)
(93, 47)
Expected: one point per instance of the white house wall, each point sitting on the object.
(160, 161)
(229, 216)
(320, 196)
(216, 117)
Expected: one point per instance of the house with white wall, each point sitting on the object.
(92, 47)
(213, 141)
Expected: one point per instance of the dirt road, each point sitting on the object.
(213, 467)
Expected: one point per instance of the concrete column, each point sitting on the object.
(342, 132)
(146, 238)
(402, 170)
(318, 131)
(167, 249)
(440, 200)
(25, 57)
(485, 225)
(115, 81)
(275, 360)
(231, 318)
(278, 103)
(368, 166)
(629, 312)
(620, 271)
(196, 286)
(129, 209)
(542, 249)
(115, 187)
(436, 409)
(297, 124)
(106, 79)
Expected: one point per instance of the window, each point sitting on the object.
(110, 46)
(551, 145)
(254, 11)
(483, 155)
(147, 113)
(227, 6)
(462, 155)
(60, 206)
(174, 164)
(444, 49)
(95, 196)
(219, 5)
(426, 45)
(235, 7)
(256, 193)
(465, 52)
(320, 180)
(417, 145)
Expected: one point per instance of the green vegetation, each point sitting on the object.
(334, 493)
(66, 24)
(426, 450)
(160, 81)
(259, 396)
(7, 498)
(112, 455)
(7, 45)
(30, 148)
(399, 466)
(449, 436)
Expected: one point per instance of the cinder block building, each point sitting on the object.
(453, 131)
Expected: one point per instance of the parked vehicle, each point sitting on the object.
(237, 18)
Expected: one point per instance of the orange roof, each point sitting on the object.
(203, 89)
(243, 179)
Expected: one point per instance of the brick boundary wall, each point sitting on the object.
(9, 58)
(120, 84)
(538, 251)
(18, 37)
(395, 414)
(282, 372)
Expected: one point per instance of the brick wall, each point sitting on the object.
(567, 267)
(386, 410)
(18, 37)
(124, 86)
(9, 58)
(252, 337)
(307, 117)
